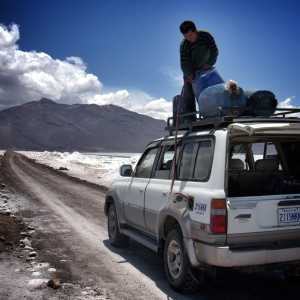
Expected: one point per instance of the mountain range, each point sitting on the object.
(47, 125)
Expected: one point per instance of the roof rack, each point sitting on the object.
(197, 121)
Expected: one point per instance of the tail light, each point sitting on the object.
(218, 218)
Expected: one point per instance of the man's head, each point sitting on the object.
(189, 31)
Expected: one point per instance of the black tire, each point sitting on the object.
(116, 239)
(184, 280)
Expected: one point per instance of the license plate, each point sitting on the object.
(289, 216)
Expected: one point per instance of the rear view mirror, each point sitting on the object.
(126, 170)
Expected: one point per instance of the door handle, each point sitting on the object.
(243, 217)
(141, 191)
(164, 194)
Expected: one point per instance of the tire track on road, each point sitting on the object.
(81, 208)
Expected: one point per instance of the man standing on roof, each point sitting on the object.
(198, 55)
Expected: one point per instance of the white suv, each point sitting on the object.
(235, 200)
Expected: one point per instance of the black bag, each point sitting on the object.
(261, 103)
(184, 104)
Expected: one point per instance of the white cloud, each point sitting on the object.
(137, 101)
(30, 75)
(8, 38)
(288, 103)
(159, 107)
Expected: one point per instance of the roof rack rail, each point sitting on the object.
(285, 111)
(199, 122)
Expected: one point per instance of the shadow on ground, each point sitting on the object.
(231, 285)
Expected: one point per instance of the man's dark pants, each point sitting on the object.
(189, 101)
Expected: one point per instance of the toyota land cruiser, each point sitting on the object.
(235, 201)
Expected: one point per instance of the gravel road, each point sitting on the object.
(72, 228)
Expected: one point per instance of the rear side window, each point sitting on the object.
(203, 161)
(145, 165)
(196, 160)
(187, 163)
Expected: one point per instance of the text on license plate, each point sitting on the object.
(289, 216)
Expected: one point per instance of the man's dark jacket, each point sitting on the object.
(193, 56)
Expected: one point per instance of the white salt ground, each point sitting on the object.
(37, 283)
(99, 168)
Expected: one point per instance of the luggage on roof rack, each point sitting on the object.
(280, 115)
(222, 99)
(261, 103)
(224, 103)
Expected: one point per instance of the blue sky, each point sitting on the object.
(135, 44)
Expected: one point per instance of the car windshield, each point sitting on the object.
(264, 166)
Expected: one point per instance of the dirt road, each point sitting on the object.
(72, 234)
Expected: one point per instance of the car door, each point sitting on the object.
(158, 189)
(194, 163)
(264, 202)
(194, 180)
(135, 195)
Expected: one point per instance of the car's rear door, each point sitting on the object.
(260, 211)
(193, 181)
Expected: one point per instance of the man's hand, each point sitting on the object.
(189, 78)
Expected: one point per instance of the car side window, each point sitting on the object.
(164, 165)
(196, 161)
(187, 162)
(145, 165)
(203, 160)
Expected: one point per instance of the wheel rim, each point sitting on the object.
(112, 222)
(174, 258)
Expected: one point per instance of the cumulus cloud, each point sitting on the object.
(8, 38)
(288, 103)
(31, 75)
(137, 101)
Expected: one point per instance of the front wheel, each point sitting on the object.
(115, 237)
(176, 263)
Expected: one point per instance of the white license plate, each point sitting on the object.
(289, 216)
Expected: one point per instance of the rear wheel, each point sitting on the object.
(115, 237)
(176, 263)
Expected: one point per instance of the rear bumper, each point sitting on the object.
(225, 257)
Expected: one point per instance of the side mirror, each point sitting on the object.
(126, 170)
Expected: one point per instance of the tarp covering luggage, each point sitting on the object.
(219, 100)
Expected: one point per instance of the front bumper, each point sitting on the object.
(226, 257)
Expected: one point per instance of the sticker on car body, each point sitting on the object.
(200, 208)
